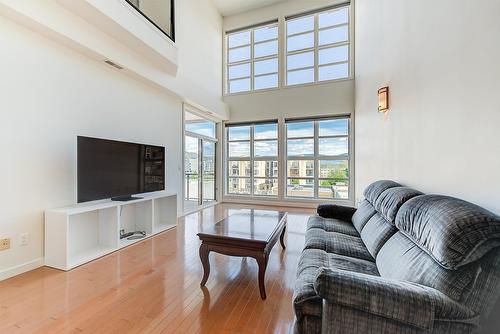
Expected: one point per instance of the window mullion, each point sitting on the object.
(252, 64)
(316, 160)
(299, 51)
(334, 26)
(252, 157)
(316, 43)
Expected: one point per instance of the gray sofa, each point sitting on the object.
(403, 262)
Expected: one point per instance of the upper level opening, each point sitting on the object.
(160, 13)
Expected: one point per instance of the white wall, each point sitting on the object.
(314, 100)
(50, 93)
(198, 36)
(321, 99)
(441, 62)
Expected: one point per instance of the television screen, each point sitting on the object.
(114, 169)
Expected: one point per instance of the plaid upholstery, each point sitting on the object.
(305, 300)
(400, 259)
(401, 301)
(454, 232)
(437, 267)
(308, 324)
(340, 319)
(376, 232)
(389, 202)
(486, 290)
(374, 190)
(332, 225)
(364, 212)
(338, 243)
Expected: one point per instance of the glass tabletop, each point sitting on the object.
(250, 224)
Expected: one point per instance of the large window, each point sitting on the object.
(317, 158)
(316, 49)
(252, 159)
(317, 46)
(252, 58)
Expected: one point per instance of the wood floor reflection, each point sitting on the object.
(153, 287)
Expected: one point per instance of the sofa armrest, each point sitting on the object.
(336, 211)
(404, 302)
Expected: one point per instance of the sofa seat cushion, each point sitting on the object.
(338, 243)
(454, 232)
(305, 299)
(332, 225)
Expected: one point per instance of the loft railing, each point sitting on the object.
(161, 13)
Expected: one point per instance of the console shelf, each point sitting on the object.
(79, 234)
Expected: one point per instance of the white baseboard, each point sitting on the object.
(22, 268)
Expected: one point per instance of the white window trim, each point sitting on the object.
(282, 53)
(251, 159)
(316, 48)
(252, 60)
(316, 158)
(219, 155)
(282, 199)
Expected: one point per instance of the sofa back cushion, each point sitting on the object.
(373, 191)
(390, 201)
(376, 232)
(366, 208)
(475, 285)
(364, 212)
(375, 223)
(401, 259)
(452, 231)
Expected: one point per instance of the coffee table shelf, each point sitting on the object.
(246, 233)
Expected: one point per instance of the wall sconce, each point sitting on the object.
(383, 99)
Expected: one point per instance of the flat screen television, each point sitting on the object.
(117, 170)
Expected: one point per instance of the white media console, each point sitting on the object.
(78, 234)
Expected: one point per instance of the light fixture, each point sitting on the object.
(383, 99)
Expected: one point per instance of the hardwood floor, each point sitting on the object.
(154, 287)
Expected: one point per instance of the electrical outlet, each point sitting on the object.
(25, 239)
(4, 244)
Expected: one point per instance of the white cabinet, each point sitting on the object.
(81, 233)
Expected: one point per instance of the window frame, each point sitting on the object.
(281, 21)
(316, 48)
(252, 59)
(251, 159)
(282, 198)
(316, 158)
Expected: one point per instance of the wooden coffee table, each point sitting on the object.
(246, 233)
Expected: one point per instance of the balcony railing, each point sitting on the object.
(160, 13)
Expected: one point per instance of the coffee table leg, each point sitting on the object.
(204, 252)
(262, 262)
(282, 237)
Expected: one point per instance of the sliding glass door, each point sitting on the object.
(191, 171)
(208, 171)
(199, 162)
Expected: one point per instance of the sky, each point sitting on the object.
(297, 145)
(300, 59)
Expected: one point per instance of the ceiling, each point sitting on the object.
(231, 7)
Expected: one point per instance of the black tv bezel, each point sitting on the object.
(117, 196)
